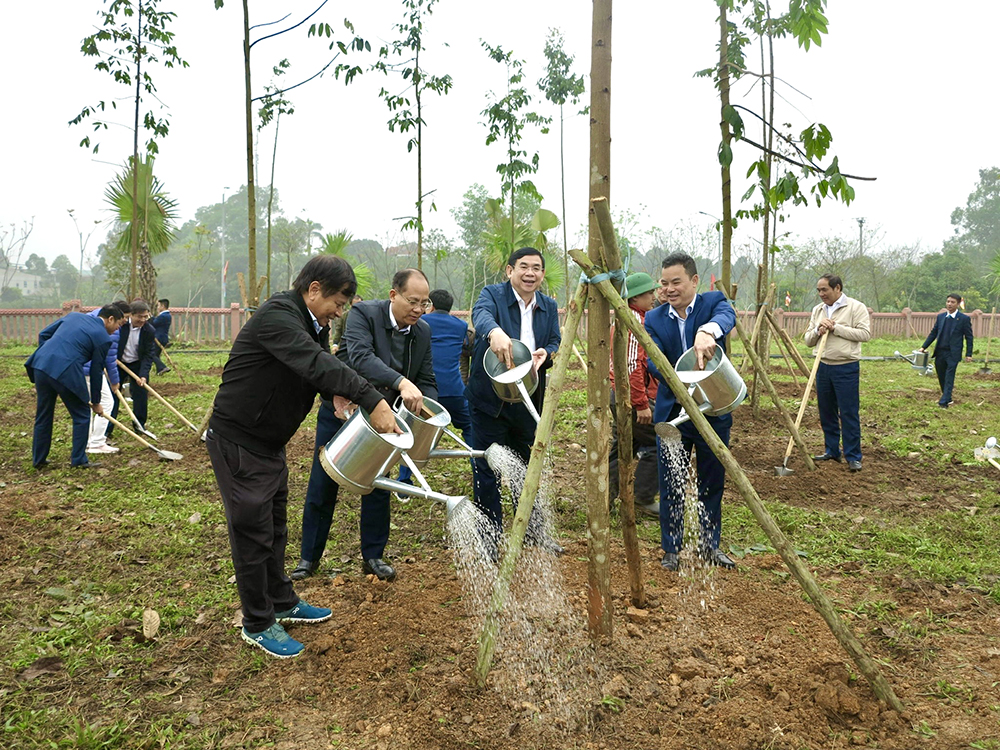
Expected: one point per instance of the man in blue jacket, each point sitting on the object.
(387, 344)
(950, 329)
(161, 332)
(688, 319)
(56, 369)
(515, 309)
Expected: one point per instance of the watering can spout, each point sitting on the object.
(493, 456)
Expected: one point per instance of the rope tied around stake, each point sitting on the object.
(617, 275)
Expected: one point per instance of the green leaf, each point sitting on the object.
(725, 154)
(544, 220)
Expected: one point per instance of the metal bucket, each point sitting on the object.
(719, 384)
(426, 428)
(358, 455)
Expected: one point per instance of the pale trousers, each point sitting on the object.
(98, 424)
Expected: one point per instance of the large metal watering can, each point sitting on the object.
(514, 385)
(427, 428)
(718, 389)
(358, 458)
(919, 361)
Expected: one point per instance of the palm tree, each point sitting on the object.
(502, 239)
(336, 244)
(152, 224)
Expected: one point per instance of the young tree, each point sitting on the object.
(417, 82)
(560, 86)
(506, 123)
(13, 240)
(138, 35)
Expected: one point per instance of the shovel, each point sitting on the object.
(783, 470)
(985, 369)
(160, 398)
(128, 410)
(169, 455)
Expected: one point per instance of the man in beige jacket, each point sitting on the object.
(845, 323)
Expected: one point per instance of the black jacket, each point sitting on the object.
(367, 348)
(147, 348)
(276, 367)
(961, 330)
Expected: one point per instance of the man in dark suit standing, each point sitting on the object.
(136, 346)
(161, 328)
(56, 369)
(950, 329)
(279, 362)
(702, 321)
(387, 343)
(515, 309)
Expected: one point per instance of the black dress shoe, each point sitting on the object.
(828, 457)
(854, 465)
(88, 465)
(548, 544)
(43, 464)
(718, 557)
(379, 568)
(304, 569)
(670, 561)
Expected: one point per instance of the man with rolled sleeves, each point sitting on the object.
(279, 362)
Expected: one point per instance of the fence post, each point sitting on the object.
(978, 330)
(234, 321)
(908, 316)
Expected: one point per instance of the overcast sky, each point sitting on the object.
(903, 88)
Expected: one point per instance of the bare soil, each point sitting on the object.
(756, 668)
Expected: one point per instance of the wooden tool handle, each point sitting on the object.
(805, 396)
(160, 398)
(122, 427)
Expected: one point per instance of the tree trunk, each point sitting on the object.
(270, 200)
(599, 608)
(252, 293)
(420, 173)
(133, 287)
(562, 182)
(727, 137)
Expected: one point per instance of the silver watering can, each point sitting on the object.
(919, 361)
(718, 389)
(358, 458)
(427, 428)
(514, 385)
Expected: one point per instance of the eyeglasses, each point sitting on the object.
(424, 304)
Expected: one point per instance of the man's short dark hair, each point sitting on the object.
(833, 280)
(139, 306)
(111, 311)
(956, 297)
(442, 300)
(682, 259)
(518, 254)
(165, 302)
(401, 278)
(124, 305)
(333, 274)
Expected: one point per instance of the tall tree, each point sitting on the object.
(560, 86)
(417, 82)
(977, 225)
(138, 34)
(506, 122)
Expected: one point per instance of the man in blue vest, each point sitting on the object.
(56, 369)
(700, 321)
(950, 329)
(515, 309)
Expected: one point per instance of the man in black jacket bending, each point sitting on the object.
(387, 343)
(279, 361)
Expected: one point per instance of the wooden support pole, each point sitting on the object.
(158, 397)
(623, 408)
(758, 322)
(789, 344)
(793, 430)
(819, 599)
(532, 479)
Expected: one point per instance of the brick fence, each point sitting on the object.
(215, 325)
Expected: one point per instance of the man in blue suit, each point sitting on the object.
(685, 320)
(161, 332)
(950, 328)
(515, 309)
(56, 369)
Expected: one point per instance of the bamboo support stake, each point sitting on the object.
(160, 398)
(170, 361)
(583, 362)
(532, 479)
(623, 407)
(789, 344)
(820, 601)
(783, 348)
(758, 322)
(793, 430)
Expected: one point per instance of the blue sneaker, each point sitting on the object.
(274, 641)
(303, 612)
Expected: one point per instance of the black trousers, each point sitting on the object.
(254, 491)
(646, 489)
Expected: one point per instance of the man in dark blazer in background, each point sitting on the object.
(950, 329)
(161, 327)
(386, 343)
(56, 369)
(136, 347)
(685, 320)
(499, 315)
